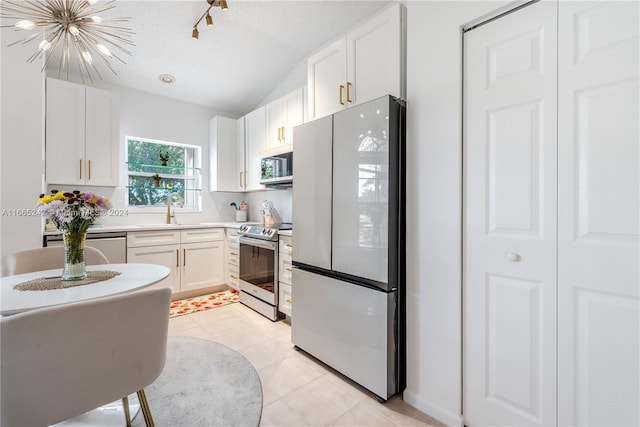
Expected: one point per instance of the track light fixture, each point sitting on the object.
(207, 15)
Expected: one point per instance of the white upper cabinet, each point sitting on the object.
(241, 159)
(82, 134)
(255, 141)
(366, 64)
(223, 155)
(282, 115)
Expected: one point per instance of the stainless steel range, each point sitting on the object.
(259, 269)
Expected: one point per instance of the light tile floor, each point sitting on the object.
(297, 389)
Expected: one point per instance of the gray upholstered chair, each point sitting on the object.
(60, 362)
(44, 259)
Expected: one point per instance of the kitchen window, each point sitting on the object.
(155, 169)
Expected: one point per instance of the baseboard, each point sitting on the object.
(197, 292)
(446, 417)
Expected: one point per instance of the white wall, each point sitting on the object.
(21, 148)
(434, 192)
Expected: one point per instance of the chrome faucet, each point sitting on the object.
(169, 214)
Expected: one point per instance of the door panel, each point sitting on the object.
(361, 174)
(312, 193)
(598, 214)
(509, 219)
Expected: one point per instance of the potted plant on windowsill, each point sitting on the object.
(156, 180)
(164, 157)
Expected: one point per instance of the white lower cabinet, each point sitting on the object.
(284, 275)
(232, 275)
(167, 255)
(195, 256)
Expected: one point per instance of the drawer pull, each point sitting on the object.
(289, 301)
(288, 245)
(233, 253)
(233, 276)
(288, 269)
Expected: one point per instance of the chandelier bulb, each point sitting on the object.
(103, 49)
(74, 30)
(209, 20)
(25, 24)
(44, 45)
(96, 19)
(223, 5)
(194, 34)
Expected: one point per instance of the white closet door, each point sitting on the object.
(510, 220)
(599, 214)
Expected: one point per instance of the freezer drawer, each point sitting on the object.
(349, 327)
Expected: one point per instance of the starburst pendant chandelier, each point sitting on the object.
(70, 25)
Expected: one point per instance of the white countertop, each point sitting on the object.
(142, 227)
(285, 232)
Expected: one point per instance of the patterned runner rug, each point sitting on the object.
(203, 302)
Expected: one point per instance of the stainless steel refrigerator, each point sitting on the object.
(348, 243)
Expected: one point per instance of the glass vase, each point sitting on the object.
(74, 267)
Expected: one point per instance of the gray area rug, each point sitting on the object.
(204, 384)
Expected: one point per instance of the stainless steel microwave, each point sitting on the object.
(276, 166)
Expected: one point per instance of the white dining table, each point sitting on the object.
(132, 277)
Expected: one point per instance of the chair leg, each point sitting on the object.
(146, 411)
(125, 406)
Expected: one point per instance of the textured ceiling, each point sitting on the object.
(237, 62)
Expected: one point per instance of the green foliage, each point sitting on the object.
(143, 158)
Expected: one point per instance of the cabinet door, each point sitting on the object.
(102, 136)
(374, 58)
(202, 265)
(64, 141)
(255, 129)
(327, 76)
(241, 172)
(223, 151)
(293, 110)
(167, 255)
(275, 121)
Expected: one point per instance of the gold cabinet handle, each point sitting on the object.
(349, 92)
(184, 257)
(283, 138)
(288, 245)
(89, 169)
(177, 257)
(289, 301)
(80, 168)
(233, 276)
(279, 133)
(288, 269)
(233, 253)
(341, 90)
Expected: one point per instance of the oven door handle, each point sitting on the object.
(258, 243)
